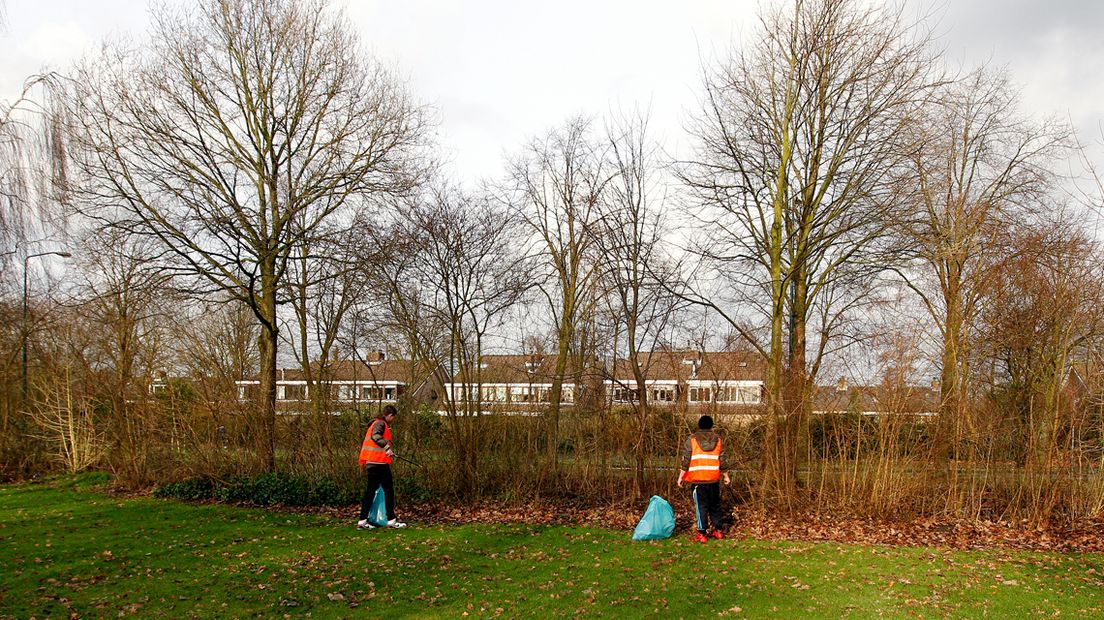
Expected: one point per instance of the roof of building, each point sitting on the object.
(399, 371)
(686, 364)
(533, 368)
(882, 398)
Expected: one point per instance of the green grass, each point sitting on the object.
(67, 549)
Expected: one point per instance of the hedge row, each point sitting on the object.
(262, 490)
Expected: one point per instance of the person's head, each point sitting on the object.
(389, 412)
(705, 423)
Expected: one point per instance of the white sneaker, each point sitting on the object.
(363, 524)
(395, 523)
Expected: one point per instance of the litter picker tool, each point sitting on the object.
(406, 460)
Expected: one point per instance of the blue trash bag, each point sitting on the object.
(377, 516)
(658, 521)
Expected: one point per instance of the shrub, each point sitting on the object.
(193, 489)
(427, 419)
(262, 490)
(265, 490)
(413, 489)
(329, 493)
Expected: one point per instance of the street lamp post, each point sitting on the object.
(26, 260)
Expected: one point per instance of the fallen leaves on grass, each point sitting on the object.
(746, 523)
(955, 533)
(925, 532)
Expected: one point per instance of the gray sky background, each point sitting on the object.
(502, 71)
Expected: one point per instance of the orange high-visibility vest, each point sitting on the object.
(372, 453)
(705, 465)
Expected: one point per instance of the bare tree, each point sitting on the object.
(33, 184)
(243, 128)
(34, 173)
(453, 272)
(325, 283)
(215, 346)
(980, 169)
(121, 297)
(556, 186)
(1044, 317)
(628, 235)
(796, 141)
(397, 304)
(65, 419)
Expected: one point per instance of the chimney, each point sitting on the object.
(935, 385)
(841, 386)
(693, 358)
(375, 357)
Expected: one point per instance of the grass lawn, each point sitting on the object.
(69, 551)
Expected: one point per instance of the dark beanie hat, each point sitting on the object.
(705, 422)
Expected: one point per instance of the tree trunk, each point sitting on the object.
(555, 397)
(951, 380)
(797, 403)
(641, 411)
(775, 484)
(267, 343)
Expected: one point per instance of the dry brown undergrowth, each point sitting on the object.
(747, 523)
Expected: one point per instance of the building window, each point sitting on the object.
(701, 394)
(463, 393)
(751, 395)
(493, 393)
(291, 392)
(742, 395)
(379, 392)
(663, 394)
(624, 395)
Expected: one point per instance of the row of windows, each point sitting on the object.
(512, 394)
(337, 392)
(740, 395)
(664, 394)
(743, 395)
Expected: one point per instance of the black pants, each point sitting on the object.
(378, 476)
(707, 506)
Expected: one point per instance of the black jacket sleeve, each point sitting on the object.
(377, 434)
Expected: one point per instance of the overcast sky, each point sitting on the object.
(501, 71)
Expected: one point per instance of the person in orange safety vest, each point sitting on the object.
(376, 453)
(703, 467)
